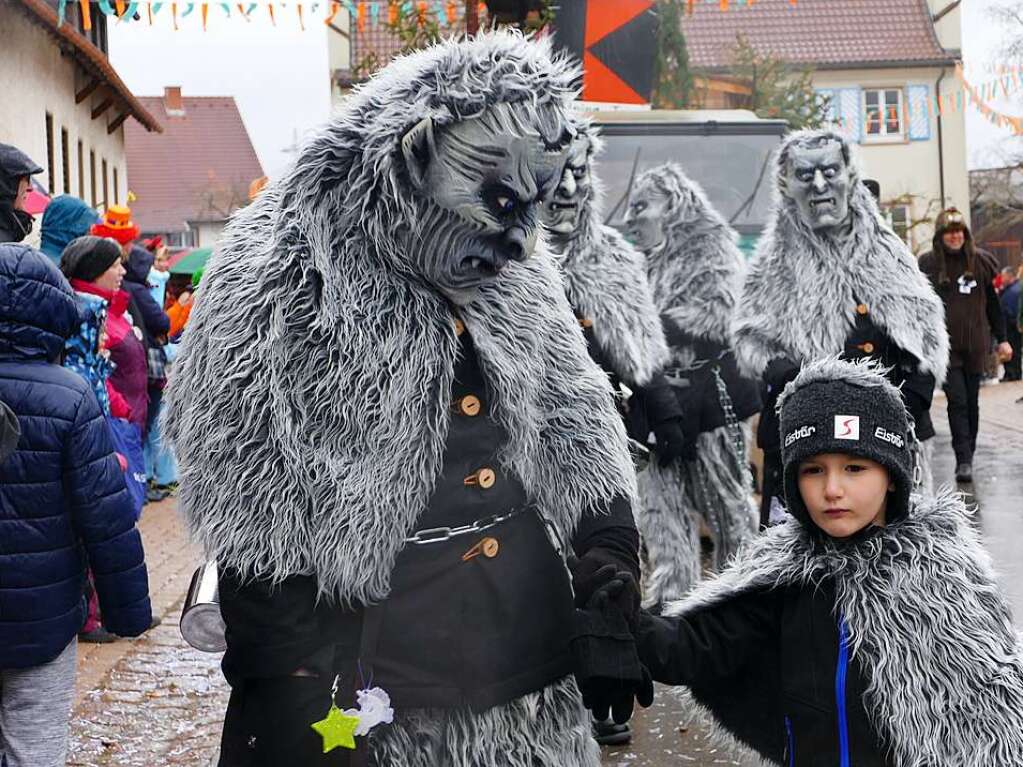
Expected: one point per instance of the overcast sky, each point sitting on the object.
(280, 79)
(987, 145)
(278, 75)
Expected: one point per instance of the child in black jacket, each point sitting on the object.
(866, 631)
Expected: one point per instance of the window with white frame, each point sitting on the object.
(883, 114)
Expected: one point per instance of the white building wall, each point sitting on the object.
(207, 232)
(36, 79)
(339, 51)
(912, 167)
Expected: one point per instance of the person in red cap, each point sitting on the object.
(118, 225)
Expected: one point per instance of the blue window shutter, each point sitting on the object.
(851, 112)
(919, 114)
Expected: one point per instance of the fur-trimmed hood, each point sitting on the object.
(802, 287)
(697, 273)
(607, 282)
(927, 624)
(310, 404)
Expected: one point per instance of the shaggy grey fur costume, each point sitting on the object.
(605, 278)
(695, 278)
(309, 406)
(802, 288)
(927, 624)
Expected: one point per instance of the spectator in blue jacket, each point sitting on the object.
(155, 325)
(65, 218)
(63, 506)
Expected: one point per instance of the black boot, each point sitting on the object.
(607, 733)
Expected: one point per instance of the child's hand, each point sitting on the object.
(597, 569)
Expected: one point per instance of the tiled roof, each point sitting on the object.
(199, 169)
(820, 33)
(89, 57)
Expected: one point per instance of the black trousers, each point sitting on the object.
(1012, 367)
(268, 724)
(963, 390)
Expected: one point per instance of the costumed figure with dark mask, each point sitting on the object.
(606, 283)
(16, 171)
(386, 423)
(695, 270)
(963, 276)
(831, 277)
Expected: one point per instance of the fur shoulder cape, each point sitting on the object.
(801, 291)
(927, 624)
(310, 405)
(606, 281)
(696, 275)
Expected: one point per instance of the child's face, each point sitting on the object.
(844, 493)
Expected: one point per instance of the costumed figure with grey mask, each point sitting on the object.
(831, 277)
(606, 283)
(695, 271)
(387, 423)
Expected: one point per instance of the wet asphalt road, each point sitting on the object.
(663, 736)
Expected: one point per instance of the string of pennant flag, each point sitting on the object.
(365, 12)
(979, 96)
(1007, 80)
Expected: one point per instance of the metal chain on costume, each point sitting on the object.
(731, 420)
(439, 534)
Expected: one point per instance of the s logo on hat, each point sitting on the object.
(847, 427)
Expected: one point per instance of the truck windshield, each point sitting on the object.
(733, 169)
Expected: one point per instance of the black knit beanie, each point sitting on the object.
(86, 258)
(836, 406)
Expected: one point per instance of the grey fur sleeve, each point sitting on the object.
(606, 281)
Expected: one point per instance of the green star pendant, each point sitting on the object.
(337, 729)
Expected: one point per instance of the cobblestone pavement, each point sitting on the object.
(151, 701)
(154, 701)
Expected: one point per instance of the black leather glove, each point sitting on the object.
(671, 441)
(597, 568)
(779, 372)
(608, 670)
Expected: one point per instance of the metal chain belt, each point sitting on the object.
(440, 534)
(731, 420)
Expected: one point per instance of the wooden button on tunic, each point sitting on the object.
(468, 405)
(490, 547)
(484, 478)
(868, 348)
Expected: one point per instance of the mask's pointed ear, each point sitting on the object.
(419, 150)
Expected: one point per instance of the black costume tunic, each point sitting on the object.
(696, 392)
(651, 404)
(473, 619)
